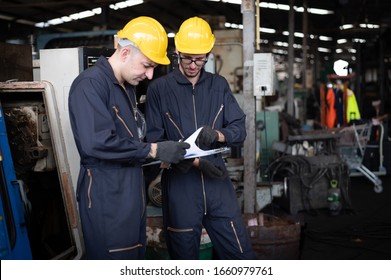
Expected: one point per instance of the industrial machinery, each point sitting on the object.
(14, 242)
(307, 164)
(36, 148)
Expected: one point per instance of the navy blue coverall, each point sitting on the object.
(110, 187)
(174, 110)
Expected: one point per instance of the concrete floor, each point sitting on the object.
(363, 233)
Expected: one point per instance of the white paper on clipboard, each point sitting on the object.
(194, 150)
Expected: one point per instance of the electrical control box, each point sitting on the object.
(264, 74)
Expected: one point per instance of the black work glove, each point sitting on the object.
(171, 151)
(208, 137)
(184, 165)
(210, 170)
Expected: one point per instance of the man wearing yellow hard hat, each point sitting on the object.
(109, 131)
(198, 192)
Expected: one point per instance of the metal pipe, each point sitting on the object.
(290, 58)
(257, 27)
(305, 43)
(249, 180)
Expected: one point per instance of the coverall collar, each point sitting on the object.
(181, 79)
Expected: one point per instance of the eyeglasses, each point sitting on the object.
(197, 61)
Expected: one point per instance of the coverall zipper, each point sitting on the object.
(89, 188)
(202, 175)
(121, 119)
(194, 111)
(175, 125)
(217, 115)
(143, 197)
(236, 236)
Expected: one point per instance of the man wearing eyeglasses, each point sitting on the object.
(198, 192)
(109, 131)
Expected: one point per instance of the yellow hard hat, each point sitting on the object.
(149, 36)
(194, 37)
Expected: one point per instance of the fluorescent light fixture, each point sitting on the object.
(346, 26)
(285, 45)
(311, 36)
(352, 50)
(369, 26)
(267, 30)
(325, 38)
(240, 26)
(238, 2)
(275, 6)
(361, 25)
(25, 21)
(233, 25)
(281, 44)
(6, 17)
(22, 21)
(342, 41)
(88, 13)
(317, 11)
(76, 16)
(278, 51)
(320, 49)
(339, 50)
(171, 35)
(358, 40)
(297, 46)
(55, 21)
(66, 19)
(125, 4)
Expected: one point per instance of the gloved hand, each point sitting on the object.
(184, 165)
(211, 170)
(171, 151)
(208, 137)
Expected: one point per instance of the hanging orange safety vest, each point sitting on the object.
(331, 113)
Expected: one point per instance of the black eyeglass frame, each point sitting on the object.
(188, 60)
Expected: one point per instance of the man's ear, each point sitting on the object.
(125, 52)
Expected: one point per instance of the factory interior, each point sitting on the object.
(305, 61)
